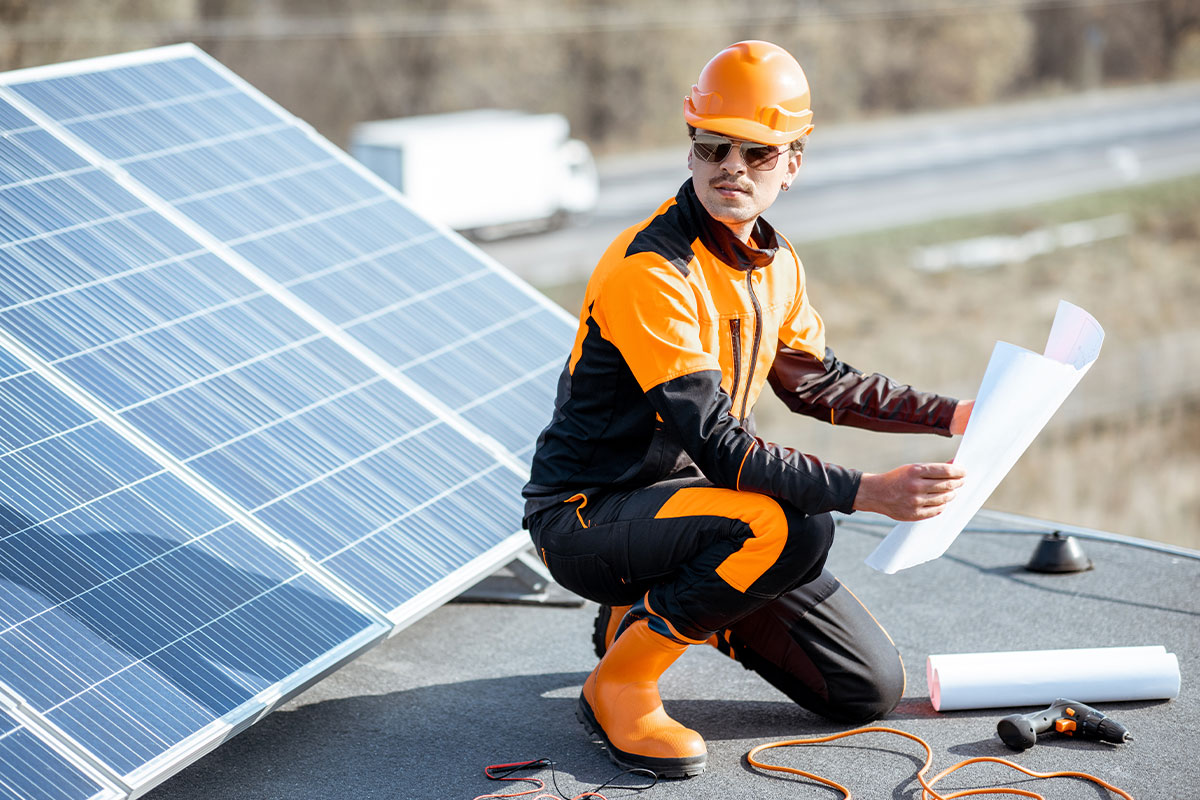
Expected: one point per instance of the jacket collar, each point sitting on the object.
(720, 241)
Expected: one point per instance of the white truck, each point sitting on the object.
(486, 172)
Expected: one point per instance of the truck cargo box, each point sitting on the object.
(483, 171)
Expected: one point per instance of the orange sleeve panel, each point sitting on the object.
(802, 329)
(651, 313)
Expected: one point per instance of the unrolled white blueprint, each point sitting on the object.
(1020, 391)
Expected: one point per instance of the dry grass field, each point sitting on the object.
(1123, 453)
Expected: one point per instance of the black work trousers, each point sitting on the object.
(742, 565)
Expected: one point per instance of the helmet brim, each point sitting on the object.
(748, 130)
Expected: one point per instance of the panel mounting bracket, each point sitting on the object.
(523, 581)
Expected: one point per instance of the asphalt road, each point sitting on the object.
(907, 170)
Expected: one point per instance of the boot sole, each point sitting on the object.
(662, 767)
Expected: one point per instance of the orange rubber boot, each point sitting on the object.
(620, 704)
(608, 619)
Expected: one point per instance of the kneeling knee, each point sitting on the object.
(873, 693)
(809, 540)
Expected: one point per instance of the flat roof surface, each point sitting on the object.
(476, 684)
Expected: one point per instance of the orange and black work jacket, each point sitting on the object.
(681, 326)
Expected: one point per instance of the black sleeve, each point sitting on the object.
(836, 392)
(697, 411)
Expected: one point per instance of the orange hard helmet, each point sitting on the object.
(751, 90)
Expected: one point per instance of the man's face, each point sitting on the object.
(732, 191)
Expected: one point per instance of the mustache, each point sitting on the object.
(720, 181)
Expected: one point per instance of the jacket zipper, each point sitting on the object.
(757, 340)
(735, 337)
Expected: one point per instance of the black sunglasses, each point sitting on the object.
(713, 148)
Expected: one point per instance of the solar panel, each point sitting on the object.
(262, 184)
(32, 769)
(296, 222)
(252, 406)
(137, 617)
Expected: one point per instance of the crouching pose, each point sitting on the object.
(650, 493)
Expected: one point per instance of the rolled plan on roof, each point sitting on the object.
(1036, 677)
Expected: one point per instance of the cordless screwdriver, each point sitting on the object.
(1019, 731)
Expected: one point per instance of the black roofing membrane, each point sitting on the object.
(471, 685)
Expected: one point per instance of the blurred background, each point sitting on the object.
(973, 163)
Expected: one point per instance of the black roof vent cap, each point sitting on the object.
(1058, 553)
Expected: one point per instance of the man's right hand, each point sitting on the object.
(911, 492)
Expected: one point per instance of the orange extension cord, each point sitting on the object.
(927, 792)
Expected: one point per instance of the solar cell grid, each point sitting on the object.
(134, 612)
(348, 218)
(30, 769)
(296, 210)
(225, 334)
(236, 385)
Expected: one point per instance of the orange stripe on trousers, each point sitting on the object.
(768, 526)
(903, 671)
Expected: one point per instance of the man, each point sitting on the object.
(649, 488)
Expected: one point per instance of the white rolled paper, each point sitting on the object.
(1039, 677)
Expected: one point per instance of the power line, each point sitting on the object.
(543, 22)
